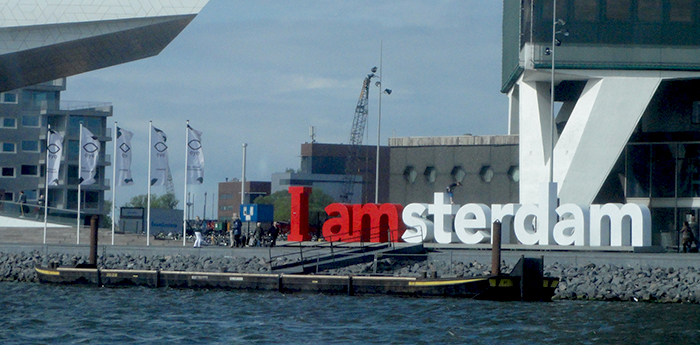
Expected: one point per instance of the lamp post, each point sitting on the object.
(379, 126)
(550, 52)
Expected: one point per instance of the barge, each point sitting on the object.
(524, 283)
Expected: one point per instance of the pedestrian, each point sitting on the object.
(39, 206)
(22, 200)
(274, 231)
(257, 235)
(694, 228)
(687, 237)
(450, 189)
(236, 231)
(198, 232)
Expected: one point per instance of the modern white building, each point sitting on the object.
(626, 79)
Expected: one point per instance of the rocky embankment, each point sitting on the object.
(589, 282)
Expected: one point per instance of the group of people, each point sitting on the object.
(259, 237)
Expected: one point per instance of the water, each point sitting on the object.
(47, 314)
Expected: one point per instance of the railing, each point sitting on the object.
(311, 253)
(33, 211)
(76, 105)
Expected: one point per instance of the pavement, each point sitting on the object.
(64, 240)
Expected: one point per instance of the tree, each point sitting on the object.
(167, 201)
(282, 202)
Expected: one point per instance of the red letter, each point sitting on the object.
(375, 224)
(300, 214)
(338, 229)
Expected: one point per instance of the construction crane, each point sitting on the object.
(359, 123)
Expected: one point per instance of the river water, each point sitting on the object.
(47, 314)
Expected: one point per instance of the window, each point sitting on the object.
(458, 174)
(695, 119)
(30, 121)
(410, 174)
(430, 174)
(8, 122)
(8, 97)
(9, 196)
(30, 170)
(618, 10)
(8, 172)
(649, 11)
(586, 10)
(514, 173)
(681, 11)
(486, 173)
(225, 196)
(9, 148)
(30, 145)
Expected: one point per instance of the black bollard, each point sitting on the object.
(93, 240)
(496, 249)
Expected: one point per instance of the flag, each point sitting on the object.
(54, 147)
(89, 154)
(123, 159)
(159, 160)
(195, 157)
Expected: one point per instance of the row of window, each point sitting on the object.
(646, 11)
(26, 146)
(31, 121)
(458, 174)
(25, 170)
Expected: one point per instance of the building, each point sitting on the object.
(486, 166)
(42, 43)
(323, 166)
(230, 196)
(625, 76)
(24, 115)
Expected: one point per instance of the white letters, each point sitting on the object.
(600, 225)
(469, 218)
(442, 208)
(418, 229)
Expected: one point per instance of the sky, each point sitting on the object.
(262, 72)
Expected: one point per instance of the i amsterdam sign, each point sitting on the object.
(543, 223)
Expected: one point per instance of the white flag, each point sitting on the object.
(55, 147)
(159, 160)
(123, 159)
(195, 157)
(90, 152)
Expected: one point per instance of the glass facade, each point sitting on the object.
(624, 22)
(663, 170)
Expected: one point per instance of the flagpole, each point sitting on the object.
(148, 196)
(184, 213)
(114, 176)
(80, 167)
(46, 186)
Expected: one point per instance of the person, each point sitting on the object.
(450, 189)
(257, 235)
(22, 200)
(694, 228)
(197, 232)
(39, 206)
(236, 226)
(274, 231)
(687, 237)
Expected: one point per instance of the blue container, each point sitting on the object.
(257, 213)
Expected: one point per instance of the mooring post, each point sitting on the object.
(496, 249)
(93, 240)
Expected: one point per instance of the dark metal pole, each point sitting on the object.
(93, 240)
(496, 249)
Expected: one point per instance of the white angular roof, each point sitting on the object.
(42, 40)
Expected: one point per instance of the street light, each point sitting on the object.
(550, 52)
(379, 126)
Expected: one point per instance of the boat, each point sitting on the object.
(524, 283)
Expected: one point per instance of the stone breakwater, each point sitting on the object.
(586, 282)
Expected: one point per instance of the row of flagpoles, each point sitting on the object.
(158, 166)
